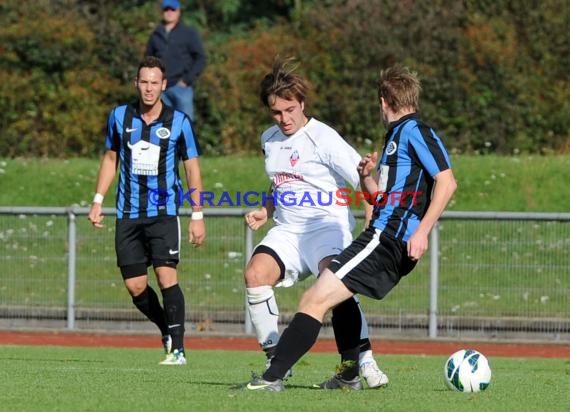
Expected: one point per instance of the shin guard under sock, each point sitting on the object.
(347, 323)
(147, 302)
(264, 315)
(174, 309)
(296, 340)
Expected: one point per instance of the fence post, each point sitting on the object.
(434, 280)
(71, 261)
(248, 251)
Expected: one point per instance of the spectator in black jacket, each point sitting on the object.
(180, 49)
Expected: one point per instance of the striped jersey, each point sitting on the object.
(412, 155)
(149, 156)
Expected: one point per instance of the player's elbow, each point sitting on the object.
(452, 185)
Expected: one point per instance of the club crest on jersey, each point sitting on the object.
(391, 149)
(294, 158)
(163, 133)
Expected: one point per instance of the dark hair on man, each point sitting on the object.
(400, 88)
(150, 62)
(282, 82)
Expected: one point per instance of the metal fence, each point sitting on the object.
(486, 275)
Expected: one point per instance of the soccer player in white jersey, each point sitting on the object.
(307, 163)
(413, 160)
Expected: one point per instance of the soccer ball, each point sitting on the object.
(467, 370)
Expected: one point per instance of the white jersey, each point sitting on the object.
(306, 170)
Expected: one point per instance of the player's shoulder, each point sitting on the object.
(123, 107)
(412, 122)
(176, 114)
(415, 127)
(325, 137)
(318, 126)
(272, 133)
(120, 110)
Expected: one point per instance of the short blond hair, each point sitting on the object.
(400, 88)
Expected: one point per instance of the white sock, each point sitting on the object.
(364, 329)
(365, 357)
(264, 315)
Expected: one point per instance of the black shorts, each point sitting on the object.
(142, 242)
(372, 264)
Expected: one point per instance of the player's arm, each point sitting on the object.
(196, 227)
(368, 209)
(107, 171)
(270, 203)
(258, 217)
(365, 171)
(445, 186)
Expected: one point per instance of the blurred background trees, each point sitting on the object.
(495, 73)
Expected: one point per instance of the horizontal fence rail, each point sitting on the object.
(498, 275)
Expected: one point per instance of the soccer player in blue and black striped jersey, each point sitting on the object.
(414, 185)
(146, 142)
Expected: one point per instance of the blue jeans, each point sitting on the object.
(181, 98)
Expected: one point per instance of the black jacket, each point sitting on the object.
(181, 51)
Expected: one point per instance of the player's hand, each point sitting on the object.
(256, 218)
(96, 215)
(417, 245)
(196, 232)
(367, 164)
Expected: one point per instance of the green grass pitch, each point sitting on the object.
(101, 379)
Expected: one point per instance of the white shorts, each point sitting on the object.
(301, 253)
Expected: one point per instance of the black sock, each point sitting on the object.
(270, 352)
(349, 368)
(174, 309)
(347, 325)
(297, 339)
(147, 302)
(365, 345)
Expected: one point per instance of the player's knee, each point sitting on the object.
(313, 304)
(136, 286)
(254, 277)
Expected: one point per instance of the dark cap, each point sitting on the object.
(170, 4)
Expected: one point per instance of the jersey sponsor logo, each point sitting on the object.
(144, 158)
(163, 133)
(391, 149)
(130, 129)
(285, 177)
(294, 158)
